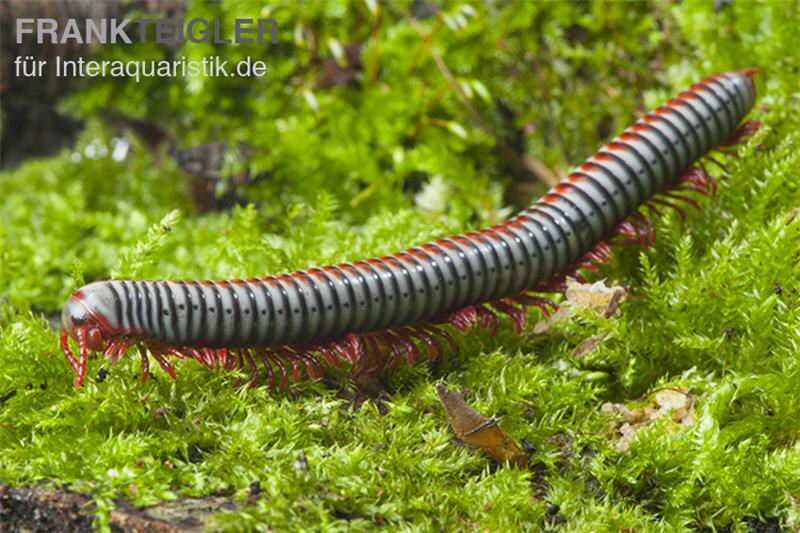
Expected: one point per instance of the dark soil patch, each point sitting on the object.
(50, 510)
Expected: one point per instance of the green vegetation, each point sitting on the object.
(445, 104)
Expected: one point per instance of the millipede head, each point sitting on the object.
(83, 319)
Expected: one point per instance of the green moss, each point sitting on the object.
(713, 307)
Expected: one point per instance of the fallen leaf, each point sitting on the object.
(479, 431)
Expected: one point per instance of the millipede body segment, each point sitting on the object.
(373, 313)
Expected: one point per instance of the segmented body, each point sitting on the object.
(540, 244)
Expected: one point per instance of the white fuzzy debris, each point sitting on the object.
(434, 196)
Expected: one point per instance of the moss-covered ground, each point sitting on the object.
(414, 145)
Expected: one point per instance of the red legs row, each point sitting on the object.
(636, 230)
(740, 136)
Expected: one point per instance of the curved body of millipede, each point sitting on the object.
(374, 313)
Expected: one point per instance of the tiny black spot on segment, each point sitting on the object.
(211, 309)
(181, 307)
(229, 310)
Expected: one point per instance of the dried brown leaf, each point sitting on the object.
(480, 431)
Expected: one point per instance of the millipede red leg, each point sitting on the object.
(83, 360)
(165, 364)
(546, 305)
(120, 351)
(73, 362)
(408, 347)
(145, 364)
(681, 198)
(349, 348)
(221, 356)
(451, 343)
(112, 347)
(666, 203)
(328, 356)
(208, 355)
(464, 319)
(647, 228)
(264, 356)
(310, 362)
(197, 356)
(176, 352)
(430, 345)
(251, 364)
(716, 162)
(392, 343)
(281, 360)
(515, 313)
(284, 372)
(295, 369)
(488, 320)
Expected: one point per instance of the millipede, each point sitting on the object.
(373, 314)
